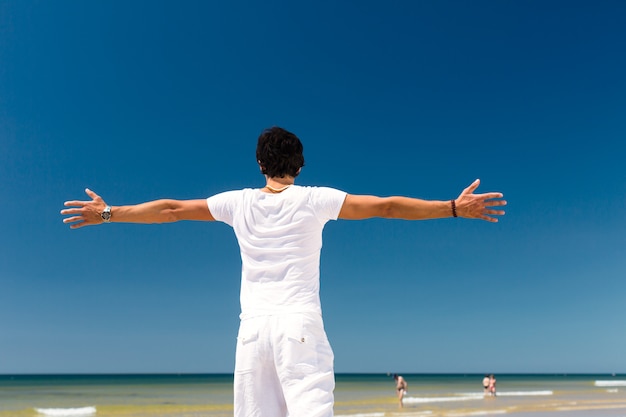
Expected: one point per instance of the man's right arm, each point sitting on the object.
(88, 213)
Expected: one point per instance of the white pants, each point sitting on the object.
(284, 367)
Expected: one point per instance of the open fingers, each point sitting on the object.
(83, 213)
(493, 203)
(488, 215)
(494, 212)
(76, 203)
(79, 224)
(489, 196)
(80, 203)
(73, 219)
(71, 211)
(489, 219)
(91, 194)
(470, 188)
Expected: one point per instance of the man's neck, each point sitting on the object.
(275, 185)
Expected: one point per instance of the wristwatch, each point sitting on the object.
(106, 214)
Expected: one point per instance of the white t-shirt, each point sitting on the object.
(280, 238)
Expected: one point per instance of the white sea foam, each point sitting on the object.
(472, 396)
(67, 412)
(418, 414)
(523, 393)
(423, 400)
(610, 383)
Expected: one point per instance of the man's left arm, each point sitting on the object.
(467, 205)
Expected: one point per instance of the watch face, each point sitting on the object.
(106, 214)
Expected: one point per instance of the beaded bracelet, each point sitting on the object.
(453, 203)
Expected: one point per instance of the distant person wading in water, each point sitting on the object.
(401, 388)
(489, 385)
(486, 385)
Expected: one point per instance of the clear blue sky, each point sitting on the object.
(148, 99)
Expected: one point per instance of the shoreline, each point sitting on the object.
(356, 395)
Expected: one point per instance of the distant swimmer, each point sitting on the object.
(401, 387)
(492, 385)
(486, 383)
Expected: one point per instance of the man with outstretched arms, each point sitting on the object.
(284, 363)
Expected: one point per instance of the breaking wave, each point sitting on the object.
(610, 383)
(67, 412)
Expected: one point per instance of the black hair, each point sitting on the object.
(279, 153)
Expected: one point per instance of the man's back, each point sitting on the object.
(280, 238)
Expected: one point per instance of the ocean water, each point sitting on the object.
(356, 395)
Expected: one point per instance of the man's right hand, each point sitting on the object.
(84, 213)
